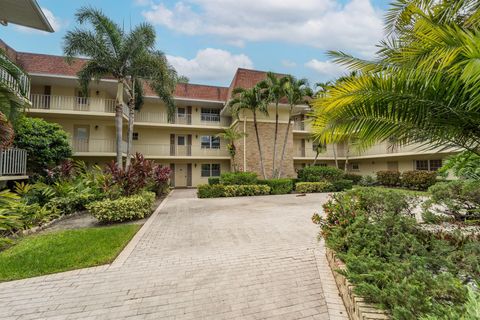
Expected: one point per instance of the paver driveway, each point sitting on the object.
(235, 258)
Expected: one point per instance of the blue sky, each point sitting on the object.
(206, 40)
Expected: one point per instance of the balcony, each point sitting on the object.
(387, 149)
(14, 79)
(168, 150)
(182, 119)
(71, 104)
(96, 146)
(303, 126)
(13, 163)
(310, 153)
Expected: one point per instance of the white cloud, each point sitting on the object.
(327, 69)
(210, 65)
(55, 22)
(142, 3)
(326, 24)
(288, 64)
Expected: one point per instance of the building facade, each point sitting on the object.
(188, 143)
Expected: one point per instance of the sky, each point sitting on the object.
(207, 40)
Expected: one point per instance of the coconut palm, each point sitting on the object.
(254, 100)
(424, 85)
(127, 57)
(297, 92)
(276, 91)
(231, 135)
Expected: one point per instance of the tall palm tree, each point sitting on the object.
(126, 57)
(231, 135)
(276, 91)
(423, 86)
(254, 100)
(297, 92)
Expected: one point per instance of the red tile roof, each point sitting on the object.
(247, 78)
(48, 64)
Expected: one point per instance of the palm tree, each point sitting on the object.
(424, 85)
(276, 91)
(297, 92)
(127, 57)
(253, 99)
(231, 135)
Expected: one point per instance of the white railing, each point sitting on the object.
(96, 145)
(20, 84)
(385, 148)
(182, 119)
(308, 152)
(301, 125)
(13, 162)
(71, 103)
(178, 151)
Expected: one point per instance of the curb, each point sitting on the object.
(356, 306)
(123, 256)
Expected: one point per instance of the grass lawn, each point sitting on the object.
(64, 250)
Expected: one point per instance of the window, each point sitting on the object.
(320, 164)
(210, 114)
(421, 165)
(135, 136)
(435, 164)
(210, 142)
(210, 170)
(180, 140)
(355, 166)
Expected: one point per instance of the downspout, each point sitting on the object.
(244, 142)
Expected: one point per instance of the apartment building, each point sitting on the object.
(188, 143)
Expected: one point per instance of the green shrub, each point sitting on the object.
(356, 178)
(210, 191)
(342, 184)
(317, 174)
(213, 180)
(393, 263)
(310, 187)
(464, 165)
(47, 144)
(220, 190)
(456, 199)
(418, 179)
(389, 178)
(123, 209)
(278, 186)
(238, 178)
(367, 181)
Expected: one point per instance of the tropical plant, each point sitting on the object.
(276, 91)
(231, 135)
(297, 92)
(465, 165)
(254, 100)
(130, 58)
(46, 143)
(422, 87)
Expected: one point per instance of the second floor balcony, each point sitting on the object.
(96, 146)
(14, 79)
(202, 120)
(72, 104)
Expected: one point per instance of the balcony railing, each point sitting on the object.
(182, 119)
(308, 152)
(301, 125)
(179, 151)
(387, 148)
(96, 145)
(71, 103)
(13, 162)
(18, 84)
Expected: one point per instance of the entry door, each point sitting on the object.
(181, 175)
(81, 137)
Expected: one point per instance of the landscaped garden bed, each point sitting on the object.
(395, 265)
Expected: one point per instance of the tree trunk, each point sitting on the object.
(275, 142)
(131, 119)
(316, 157)
(284, 147)
(119, 124)
(346, 158)
(334, 147)
(259, 145)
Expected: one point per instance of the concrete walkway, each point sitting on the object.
(233, 258)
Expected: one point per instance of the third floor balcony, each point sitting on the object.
(202, 120)
(14, 79)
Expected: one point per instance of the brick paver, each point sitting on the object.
(235, 258)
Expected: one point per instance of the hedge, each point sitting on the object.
(388, 178)
(317, 174)
(123, 209)
(278, 186)
(418, 179)
(220, 190)
(342, 184)
(356, 178)
(310, 187)
(238, 178)
(213, 180)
